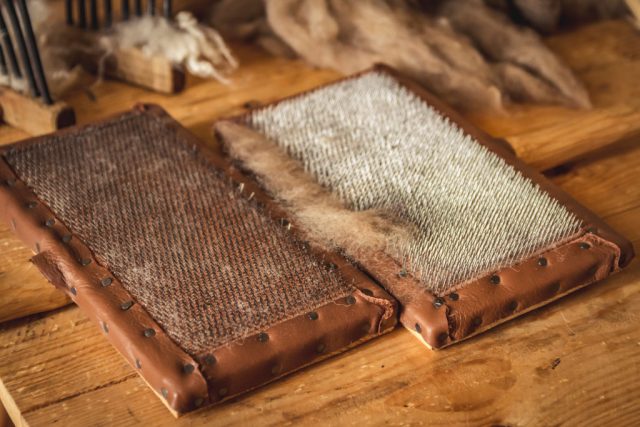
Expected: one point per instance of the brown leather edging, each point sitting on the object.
(441, 321)
(240, 366)
(70, 266)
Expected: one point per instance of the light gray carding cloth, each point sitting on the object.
(377, 145)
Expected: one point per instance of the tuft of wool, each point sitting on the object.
(198, 47)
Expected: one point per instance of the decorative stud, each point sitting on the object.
(85, 261)
(210, 359)
(223, 391)
(313, 315)
(454, 296)
(494, 279)
(105, 328)
(320, 348)
(442, 337)
(350, 300)
(106, 281)
(367, 292)
(138, 364)
(402, 273)
(418, 328)
(31, 205)
(263, 337)
(188, 368)
(584, 246)
(126, 305)
(542, 262)
(11, 182)
(165, 392)
(74, 291)
(66, 238)
(438, 302)
(149, 332)
(50, 222)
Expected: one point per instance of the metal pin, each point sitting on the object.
(138, 7)
(3, 64)
(34, 53)
(151, 7)
(167, 9)
(124, 9)
(82, 14)
(108, 13)
(93, 14)
(68, 9)
(7, 45)
(22, 49)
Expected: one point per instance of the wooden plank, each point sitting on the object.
(24, 290)
(573, 362)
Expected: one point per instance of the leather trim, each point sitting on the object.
(440, 321)
(182, 382)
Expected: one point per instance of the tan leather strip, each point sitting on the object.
(295, 343)
(70, 265)
(486, 301)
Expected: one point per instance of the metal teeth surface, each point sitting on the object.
(377, 145)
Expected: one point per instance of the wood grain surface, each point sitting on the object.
(574, 362)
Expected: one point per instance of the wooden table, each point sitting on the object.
(576, 361)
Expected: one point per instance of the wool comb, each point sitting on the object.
(191, 272)
(445, 217)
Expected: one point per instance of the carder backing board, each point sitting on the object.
(461, 232)
(190, 271)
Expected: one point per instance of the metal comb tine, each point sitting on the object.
(108, 13)
(22, 49)
(3, 64)
(167, 9)
(138, 7)
(82, 14)
(125, 9)
(34, 53)
(151, 7)
(7, 45)
(93, 14)
(68, 10)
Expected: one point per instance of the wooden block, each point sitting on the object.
(32, 115)
(155, 73)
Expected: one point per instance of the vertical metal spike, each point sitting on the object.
(124, 9)
(68, 9)
(82, 14)
(3, 64)
(34, 53)
(167, 9)
(151, 7)
(22, 49)
(93, 14)
(138, 6)
(108, 13)
(7, 46)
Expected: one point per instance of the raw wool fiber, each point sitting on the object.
(423, 41)
(377, 146)
(198, 47)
